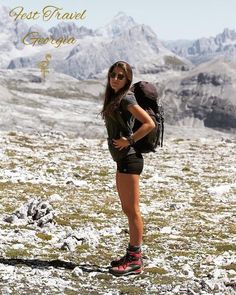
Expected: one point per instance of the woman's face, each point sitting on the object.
(117, 79)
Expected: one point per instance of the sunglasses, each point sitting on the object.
(113, 75)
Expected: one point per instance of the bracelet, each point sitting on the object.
(131, 140)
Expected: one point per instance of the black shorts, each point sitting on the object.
(132, 164)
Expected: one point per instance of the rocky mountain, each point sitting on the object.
(94, 51)
(60, 103)
(204, 96)
(116, 26)
(138, 45)
(11, 34)
(204, 49)
(121, 39)
(64, 29)
(198, 98)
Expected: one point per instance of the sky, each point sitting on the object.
(170, 19)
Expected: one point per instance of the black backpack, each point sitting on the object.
(146, 95)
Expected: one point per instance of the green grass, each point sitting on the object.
(17, 253)
(43, 236)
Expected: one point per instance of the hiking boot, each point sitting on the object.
(131, 263)
(121, 260)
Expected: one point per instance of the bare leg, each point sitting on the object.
(128, 190)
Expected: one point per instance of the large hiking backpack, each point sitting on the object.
(146, 95)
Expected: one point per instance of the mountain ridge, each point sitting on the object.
(112, 41)
(97, 49)
(204, 49)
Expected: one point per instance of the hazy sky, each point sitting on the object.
(170, 19)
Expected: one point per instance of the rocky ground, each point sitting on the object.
(61, 221)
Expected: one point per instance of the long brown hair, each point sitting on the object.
(112, 99)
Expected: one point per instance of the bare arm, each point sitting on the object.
(147, 125)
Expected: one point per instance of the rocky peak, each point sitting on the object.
(226, 35)
(65, 29)
(121, 17)
(204, 49)
(142, 38)
(117, 25)
(216, 44)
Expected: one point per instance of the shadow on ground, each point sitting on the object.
(36, 263)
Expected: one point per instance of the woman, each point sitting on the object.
(119, 103)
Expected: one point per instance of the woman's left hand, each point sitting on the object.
(121, 143)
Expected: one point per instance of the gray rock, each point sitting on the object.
(34, 211)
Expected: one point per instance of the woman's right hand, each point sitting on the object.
(120, 143)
